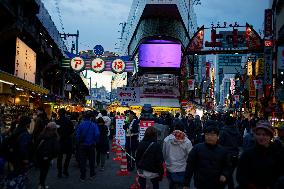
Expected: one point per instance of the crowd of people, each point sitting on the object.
(218, 152)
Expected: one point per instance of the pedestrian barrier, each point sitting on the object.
(118, 154)
(123, 165)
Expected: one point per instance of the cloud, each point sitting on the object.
(97, 21)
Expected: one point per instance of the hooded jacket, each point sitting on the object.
(176, 148)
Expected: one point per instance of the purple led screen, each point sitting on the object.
(159, 55)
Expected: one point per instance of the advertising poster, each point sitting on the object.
(120, 132)
(144, 124)
(25, 62)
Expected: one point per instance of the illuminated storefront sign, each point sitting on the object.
(25, 62)
(77, 64)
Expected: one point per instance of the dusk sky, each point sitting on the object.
(98, 21)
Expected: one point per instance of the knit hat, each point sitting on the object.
(211, 127)
(264, 125)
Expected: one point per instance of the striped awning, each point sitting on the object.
(6, 77)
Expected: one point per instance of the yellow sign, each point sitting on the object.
(249, 68)
(164, 109)
(259, 69)
(135, 108)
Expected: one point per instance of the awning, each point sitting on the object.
(6, 77)
(164, 102)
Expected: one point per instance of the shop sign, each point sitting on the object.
(77, 64)
(232, 87)
(184, 104)
(252, 91)
(25, 62)
(98, 65)
(259, 67)
(249, 68)
(237, 98)
(268, 23)
(258, 84)
(128, 94)
(280, 56)
(191, 84)
(267, 65)
(120, 132)
(118, 66)
(144, 124)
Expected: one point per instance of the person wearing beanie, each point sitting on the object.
(208, 161)
(259, 166)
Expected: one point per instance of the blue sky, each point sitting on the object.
(98, 20)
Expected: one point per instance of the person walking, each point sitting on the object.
(149, 159)
(176, 148)
(208, 161)
(87, 135)
(131, 128)
(231, 140)
(258, 166)
(65, 132)
(47, 149)
(102, 145)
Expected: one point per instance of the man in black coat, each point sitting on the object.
(65, 132)
(208, 161)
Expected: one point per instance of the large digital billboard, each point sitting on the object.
(159, 55)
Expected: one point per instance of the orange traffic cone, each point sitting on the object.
(118, 154)
(113, 145)
(123, 165)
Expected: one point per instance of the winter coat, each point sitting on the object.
(207, 163)
(153, 158)
(175, 152)
(230, 139)
(258, 167)
(65, 132)
(87, 133)
(48, 147)
(103, 143)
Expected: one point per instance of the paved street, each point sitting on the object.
(104, 180)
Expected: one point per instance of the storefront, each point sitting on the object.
(17, 96)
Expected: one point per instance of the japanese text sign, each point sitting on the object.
(118, 66)
(98, 65)
(144, 124)
(120, 132)
(128, 94)
(77, 64)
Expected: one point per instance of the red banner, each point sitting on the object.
(268, 23)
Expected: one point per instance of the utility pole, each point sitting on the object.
(65, 35)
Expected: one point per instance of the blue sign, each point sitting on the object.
(99, 50)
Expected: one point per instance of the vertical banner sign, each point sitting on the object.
(267, 65)
(207, 69)
(249, 68)
(120, 132)
(268, 23)
(280, 56)
(144, 124)
(184, 104)
(252, 91)
(190, 84)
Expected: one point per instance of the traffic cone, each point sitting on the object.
(123, 165)
(136, 185)
(118, 154)
(114, 145)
